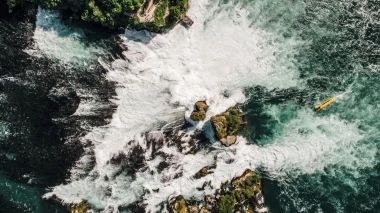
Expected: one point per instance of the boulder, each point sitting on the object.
(201, 173)
(80, 208)
(229, 140)
(204, 210)
(178, 206)
(199, 114)
(226, 125)
(201, 106)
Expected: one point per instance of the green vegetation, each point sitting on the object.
(176, 9)
(110, 13)
(11, 5)
(231, 196)
(227, 123)
(160, 12)
(233, 121)
(199, 114)
(241, 188)
(113, 13)
(226, 204)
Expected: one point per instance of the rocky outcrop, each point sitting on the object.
(242, 194)
(80, 208)
(199, 114)
(201, 173)
(226, 125)
(178, 205)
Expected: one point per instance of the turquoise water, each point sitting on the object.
(340, 58)
(16, 197)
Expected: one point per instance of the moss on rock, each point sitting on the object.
(199, 114)
(227, 124)
(179, 205)
(243, 192)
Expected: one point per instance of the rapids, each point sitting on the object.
(276, 59)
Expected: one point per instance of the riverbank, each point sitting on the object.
(152, 15)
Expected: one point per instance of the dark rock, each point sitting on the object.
(161, 166)
(201, 173)
(65, 100)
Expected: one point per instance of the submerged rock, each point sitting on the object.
(226, 125)
(199, 114)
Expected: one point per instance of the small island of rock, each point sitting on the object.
(199, 114)
(226, 125)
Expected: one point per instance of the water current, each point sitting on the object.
(277, 59)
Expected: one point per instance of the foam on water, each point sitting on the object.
(56, 40)
(214, 60)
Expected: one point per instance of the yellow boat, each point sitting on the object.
(324, 104)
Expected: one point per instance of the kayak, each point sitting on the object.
(324, 104)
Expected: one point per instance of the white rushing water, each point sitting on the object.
(59, 41)
(224, 52)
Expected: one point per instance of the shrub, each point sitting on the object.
(160, 12)
(226, 204)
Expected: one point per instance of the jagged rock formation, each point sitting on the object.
(80, 208)
(242, 194)
(199, 114)
(178, 205)
(226, 125)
